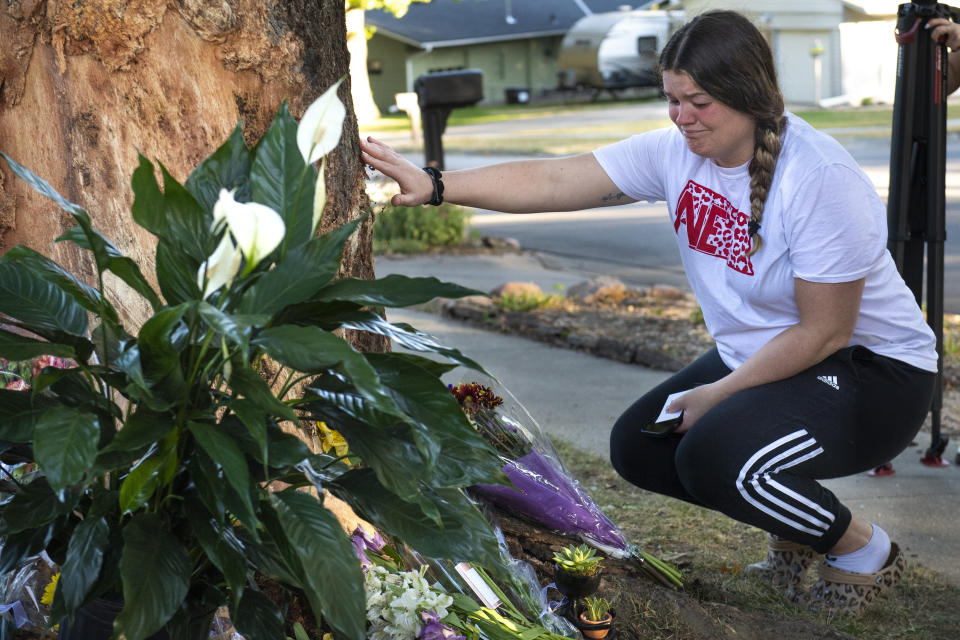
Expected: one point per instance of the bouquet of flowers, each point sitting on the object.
(438, 600)
(544, 489)
(402, 606)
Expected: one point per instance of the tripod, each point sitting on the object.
(915, 206)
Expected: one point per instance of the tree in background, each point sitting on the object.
(357, 35)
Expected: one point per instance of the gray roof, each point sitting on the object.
(445, 23)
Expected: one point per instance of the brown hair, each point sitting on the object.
(728, 57)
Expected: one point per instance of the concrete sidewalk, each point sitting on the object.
(577, 397)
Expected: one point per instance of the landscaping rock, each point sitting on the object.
(517, 289)
(597, 289)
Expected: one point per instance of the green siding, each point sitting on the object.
(392, 79)
(514, 63)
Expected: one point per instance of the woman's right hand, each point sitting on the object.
(944, 31)
(416, 187)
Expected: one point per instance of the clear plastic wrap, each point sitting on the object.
(545, 490)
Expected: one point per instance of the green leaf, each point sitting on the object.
(442, 432)
(176, 274)
(65, 443)
(265, 555)
(390, 451)
(227, 168)
(109, 258)
(305, 269)
(19, 413)
(281, 180)
(160, 342)
(248, 383)
(326, 315)
(393, 291)
(464, 533)
(140, 484)
(17, 347)
(33, 506)
(255, 420)
(26, 296)
(84, 559)
(224, 324)
(210, 487)
(312, 350)
(410, 338)
(210, 533)
(42, 187)
(228, 457)
(257, 617)
(172, 214)
(85, 295)
(19, 546)
(142, 428)
(189, 221)
(156, 576)
(330, 566)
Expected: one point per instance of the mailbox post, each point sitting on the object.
(438, 94)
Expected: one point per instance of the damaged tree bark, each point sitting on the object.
(86, 84)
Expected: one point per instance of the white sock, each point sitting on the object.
(867, 559)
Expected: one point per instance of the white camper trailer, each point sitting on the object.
(617, 49)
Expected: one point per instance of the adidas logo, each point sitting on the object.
(830, 380)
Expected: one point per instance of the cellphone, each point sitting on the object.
(663, 427)
(668, 421)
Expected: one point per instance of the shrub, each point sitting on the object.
(416, 229)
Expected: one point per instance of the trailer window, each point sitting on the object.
(647, 47)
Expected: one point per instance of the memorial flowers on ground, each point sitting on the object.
(543, 489)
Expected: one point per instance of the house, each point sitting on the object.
(826, 51)
(514, 42)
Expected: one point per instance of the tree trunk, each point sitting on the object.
(86, 84)
(363, 104)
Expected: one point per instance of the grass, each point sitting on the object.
(713, 550)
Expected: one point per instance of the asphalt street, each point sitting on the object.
(633, 242)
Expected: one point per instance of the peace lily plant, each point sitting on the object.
(166, 478)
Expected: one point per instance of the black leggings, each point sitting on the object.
(757, 455)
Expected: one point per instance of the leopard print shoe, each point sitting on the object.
(785, 565)
(839, 592)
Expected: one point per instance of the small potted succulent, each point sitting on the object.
(596, 620)
(578, 570)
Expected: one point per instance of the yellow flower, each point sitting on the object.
(331, 439)
(50, 590)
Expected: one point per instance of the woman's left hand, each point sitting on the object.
(696, 402)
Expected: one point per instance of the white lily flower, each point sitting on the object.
(220, 268)
(256, 228)
(319, 129)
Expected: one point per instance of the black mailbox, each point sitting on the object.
(437, 94)
(460, 88)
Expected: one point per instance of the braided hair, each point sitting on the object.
(728, 57)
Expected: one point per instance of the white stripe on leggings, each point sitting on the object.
(760, 480)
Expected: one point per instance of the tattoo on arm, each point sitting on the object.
(613, 197)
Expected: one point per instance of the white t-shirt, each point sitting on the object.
(823, 222)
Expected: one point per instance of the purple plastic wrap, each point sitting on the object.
(545, 491)
(553, 499)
